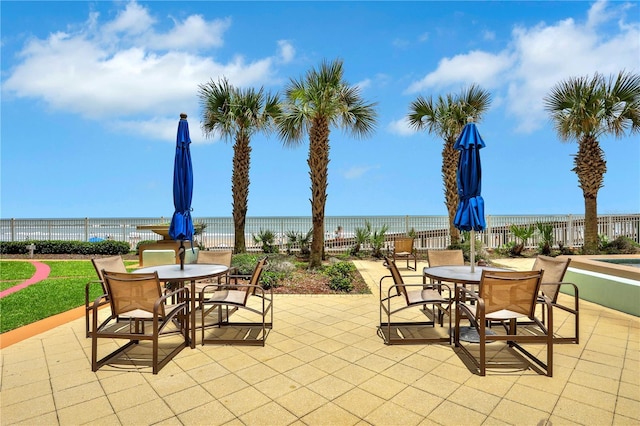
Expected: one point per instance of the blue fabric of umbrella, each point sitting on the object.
(470, 213)
(181, 223)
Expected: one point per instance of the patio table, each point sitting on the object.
(459, 275)
(192, 272)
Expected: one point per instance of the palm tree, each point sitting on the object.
(314, 104)
(584, 109)
(237, 114)
(446, 117)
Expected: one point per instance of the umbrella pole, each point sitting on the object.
(181, 254)
(472, 251)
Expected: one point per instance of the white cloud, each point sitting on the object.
(474, 67)
(356, 172)
(488, 35)
(287, 51)
(363, 84)
(541, 56)
(401, 127)
(123, 70)
(423, 37)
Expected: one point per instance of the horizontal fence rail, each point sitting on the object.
(431, 232)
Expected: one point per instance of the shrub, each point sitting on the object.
(267, 238)
(109, 247)
(245, 263)
(546, 236)
(341, 275)
(621, 245)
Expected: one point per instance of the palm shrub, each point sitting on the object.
(546, 236)
(377, 241)
(303, 241)
(522, 233)
(267, 239)
(361, 237)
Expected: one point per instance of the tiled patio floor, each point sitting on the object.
(324, 364)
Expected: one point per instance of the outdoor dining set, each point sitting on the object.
(166, 303)
(449, 303)
(520, 304)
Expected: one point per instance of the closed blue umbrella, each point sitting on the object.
(470, 213)
(181, 223)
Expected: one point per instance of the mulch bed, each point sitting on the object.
(300, 282)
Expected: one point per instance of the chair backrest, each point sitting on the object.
(215, 257)
(129, 292)
(554, 270)
(397, 278)
(516, 291)
(445, 257)
(255, 278)
(111, 264)
(403, 245)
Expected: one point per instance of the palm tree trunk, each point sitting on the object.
(450, 158)
(318, 170)
(590, 166)
(240, 189)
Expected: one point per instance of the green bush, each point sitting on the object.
(341, 276)
(245, 263)
(621, 245)
(109, 247)
(144, 242)
(267, 239)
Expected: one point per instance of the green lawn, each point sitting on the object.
(63, 290)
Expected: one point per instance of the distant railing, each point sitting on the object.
(430, 231)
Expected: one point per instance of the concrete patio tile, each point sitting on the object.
(354, 374)
(403, 373)
(47, 419)
(127, 398)
(439, 386)
(277, 386)
(188, 399)
(628, 408)
(283, 363)
(582, 413)
(330, 414)
(359, 402)
(78, 394)
(85, 412)
(150, 412)
(517, 413)
(256, 373)
(532, 397)
(630, 391)
(244, 400)
(382, 386)
(223, 386)
(449, 413)
(619, 420)
(26, 410)
(271, 413)
(590, 396)
(302, 402)
(18, 394)
(305, 374)
(474, 399)
(495, 385)
(330, 387)
(166, 385)
(212, 413)
(417, 400)
(329, 363)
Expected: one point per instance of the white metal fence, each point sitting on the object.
(431, 231)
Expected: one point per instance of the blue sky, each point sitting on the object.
(92, 92)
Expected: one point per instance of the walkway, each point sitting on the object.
(41, 273)
(325, 365)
